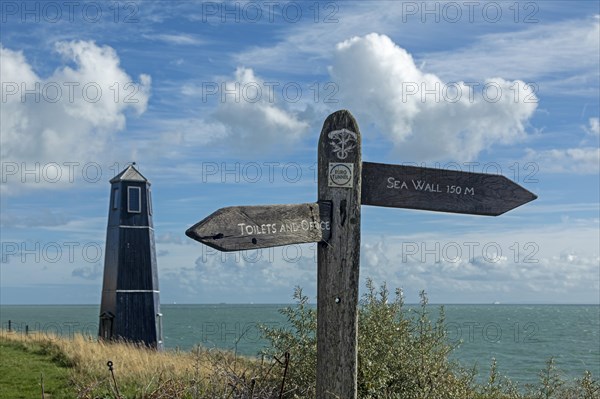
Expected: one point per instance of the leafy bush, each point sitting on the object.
(398, 357)
(402, 353)
(405, 357)
(300, 340)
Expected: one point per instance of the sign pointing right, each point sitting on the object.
(442, 190)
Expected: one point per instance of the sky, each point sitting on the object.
(222, 103)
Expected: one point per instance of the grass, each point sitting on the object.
(21, 368)
(77, 368)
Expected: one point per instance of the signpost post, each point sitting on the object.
(344, 184)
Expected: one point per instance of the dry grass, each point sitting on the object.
(145, 373)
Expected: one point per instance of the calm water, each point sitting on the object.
(520, 337)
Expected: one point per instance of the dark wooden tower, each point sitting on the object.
(130, 308)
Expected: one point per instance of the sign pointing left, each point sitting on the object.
(250, 227)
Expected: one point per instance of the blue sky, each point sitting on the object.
(221, 103)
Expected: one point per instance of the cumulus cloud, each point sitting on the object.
(249, 115)
(425, 117)
(71, 115)
(254, 120)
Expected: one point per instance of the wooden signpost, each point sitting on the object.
(344, 184)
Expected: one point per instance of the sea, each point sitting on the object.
(522, 338)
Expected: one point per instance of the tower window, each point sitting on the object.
(115, 198)
(149, 195)
(134, 200)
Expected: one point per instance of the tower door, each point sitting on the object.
(106, 325)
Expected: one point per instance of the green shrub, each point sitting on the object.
(300, 340)
(403, 354)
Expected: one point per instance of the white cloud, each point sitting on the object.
(249, 115)
(249, 120)
(71, 115)
(559, 264)
(594, 127)
(267, 275)
(585, 160)
(380, 82)
(557, 55)
(526, 264)
(306, 46)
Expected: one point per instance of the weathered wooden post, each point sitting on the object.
(346, 183)
(339, 171)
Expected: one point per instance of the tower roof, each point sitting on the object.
(130, 173)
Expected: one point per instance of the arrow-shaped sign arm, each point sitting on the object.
(400, 186)
(514, 195)
(262, 226)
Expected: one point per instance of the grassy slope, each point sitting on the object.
(208, 374)
(20, 369)
(139, 372)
